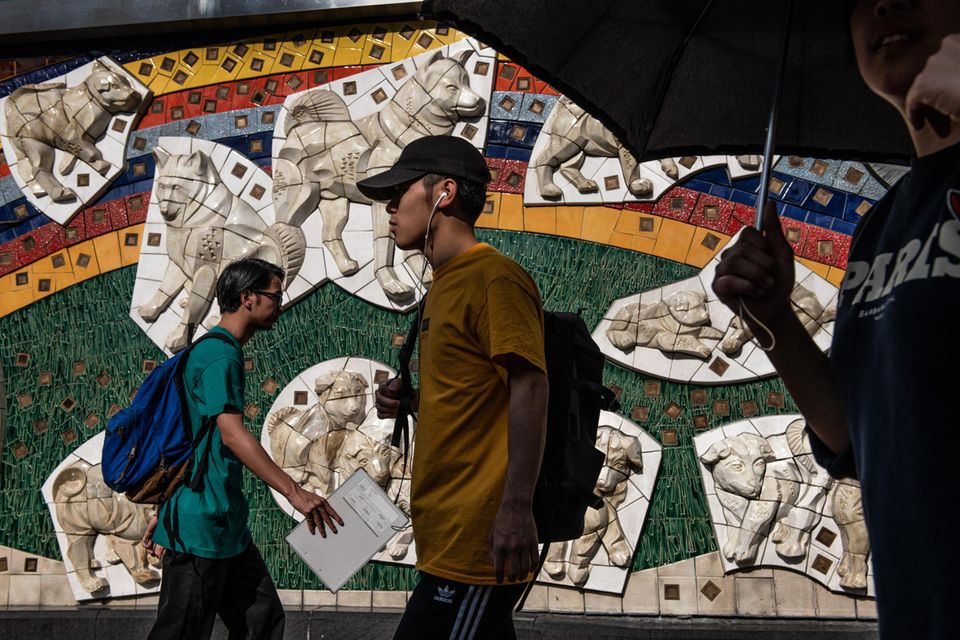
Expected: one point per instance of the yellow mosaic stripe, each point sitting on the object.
(99, 255)
(289, 52)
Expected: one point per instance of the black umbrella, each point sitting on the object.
(695, 77)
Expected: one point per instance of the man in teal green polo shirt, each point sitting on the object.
(210, 565)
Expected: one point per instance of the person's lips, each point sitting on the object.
(892, 38)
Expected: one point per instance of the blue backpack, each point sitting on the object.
(148, 450)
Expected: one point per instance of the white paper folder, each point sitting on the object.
(370, 519)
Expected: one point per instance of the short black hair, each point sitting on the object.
(473, 194)
(244, 275)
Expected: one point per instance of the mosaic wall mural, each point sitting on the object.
(157, 169)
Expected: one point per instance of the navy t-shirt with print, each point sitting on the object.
(895, 354)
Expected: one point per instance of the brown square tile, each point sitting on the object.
(294, 82)
(298, 40)
(139, 143)
(611, 183)
(4, 565)
(145, 69)
(710, 590)
(671, 592)
(210, 106)
(176, 113)
(20, 450)
(488, 206)
(157, 106)
(271, 86)
(406, 32)
(414, 365)
(698, 397)
(99, 215)
(508, 103)
(286, 59)
(688, 161)
(58, 261)
(193, 127)
(379, 96)
(677, 203)
(269, 44)
(424, 41)
(228, 64)
(20, 211)
(793, 235)
(514, 179)
(377, 51)
(243, 89)
(248, 364)
(44, 285)
(68, 404)
(399, 72)
(316, 57)
(40, 426)
(651, 388)
(380, 375)
(79, 368)
(481, 68)
(536, 107)
(300, 397)
(350, 88)
(30, 565)
(442, 30)
(523, 83)
(256, 145)
(853, 175)
(700, 422)
(190, 59)
(268, 117)
(223, 93)
(668, 437)
(494, 174)
(139, 169)
(131, 239)
(321, 77)
(710, 241)
(776, 185)
(22, 278)
(103, 379)
(397, 340)
(6, 258)
(258, 97)
(148, 365)
(240, 122)
(167, 64)
(212, 53)
(239, 170)
(355, 34)
(83, 179)
(824, 248)
(28, 243)
(639, 413)
(822, 196)
(113, 410)
(822, 564)
(646, 224)
(269, 386)
(711, 212)
(826, 537)
(379, 33)
(795, 161)
(24, 399)
(719, 366)
(45, 378)
(863, 208)
(749, 408)
(256, 64)
(673, 410)
(91, 421)
(617, 390)
(469, 131)
(180, 77)
(240, 49)
(69, 436)
(132, 394)
(507, 71)
(251, 411)
(775, 400)
(136, 202)
(257, 191)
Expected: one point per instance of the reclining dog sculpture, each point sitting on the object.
(675, 324)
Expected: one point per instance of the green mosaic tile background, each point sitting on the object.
(85, 331)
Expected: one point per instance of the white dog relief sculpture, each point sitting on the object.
(98, 531)
(207, 210)
(600, 559)
(772, 505)
(64, 140)
(682, 332)
(323, 427)
(326, 139)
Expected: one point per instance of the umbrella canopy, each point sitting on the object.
(695, 77)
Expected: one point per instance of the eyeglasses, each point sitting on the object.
(273, 295)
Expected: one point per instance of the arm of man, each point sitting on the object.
(758, 273)
(241, 442)
(513, 545)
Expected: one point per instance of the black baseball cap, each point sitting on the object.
(443, 155)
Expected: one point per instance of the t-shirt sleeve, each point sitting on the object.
(220, 388)
(838, 466)
(511, 323)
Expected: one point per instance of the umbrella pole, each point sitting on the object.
(772, 122)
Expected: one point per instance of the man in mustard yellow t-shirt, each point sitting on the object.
(482, 399)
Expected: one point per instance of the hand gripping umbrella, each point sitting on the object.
(692, 77)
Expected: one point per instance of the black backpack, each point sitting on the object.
(571, 462)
